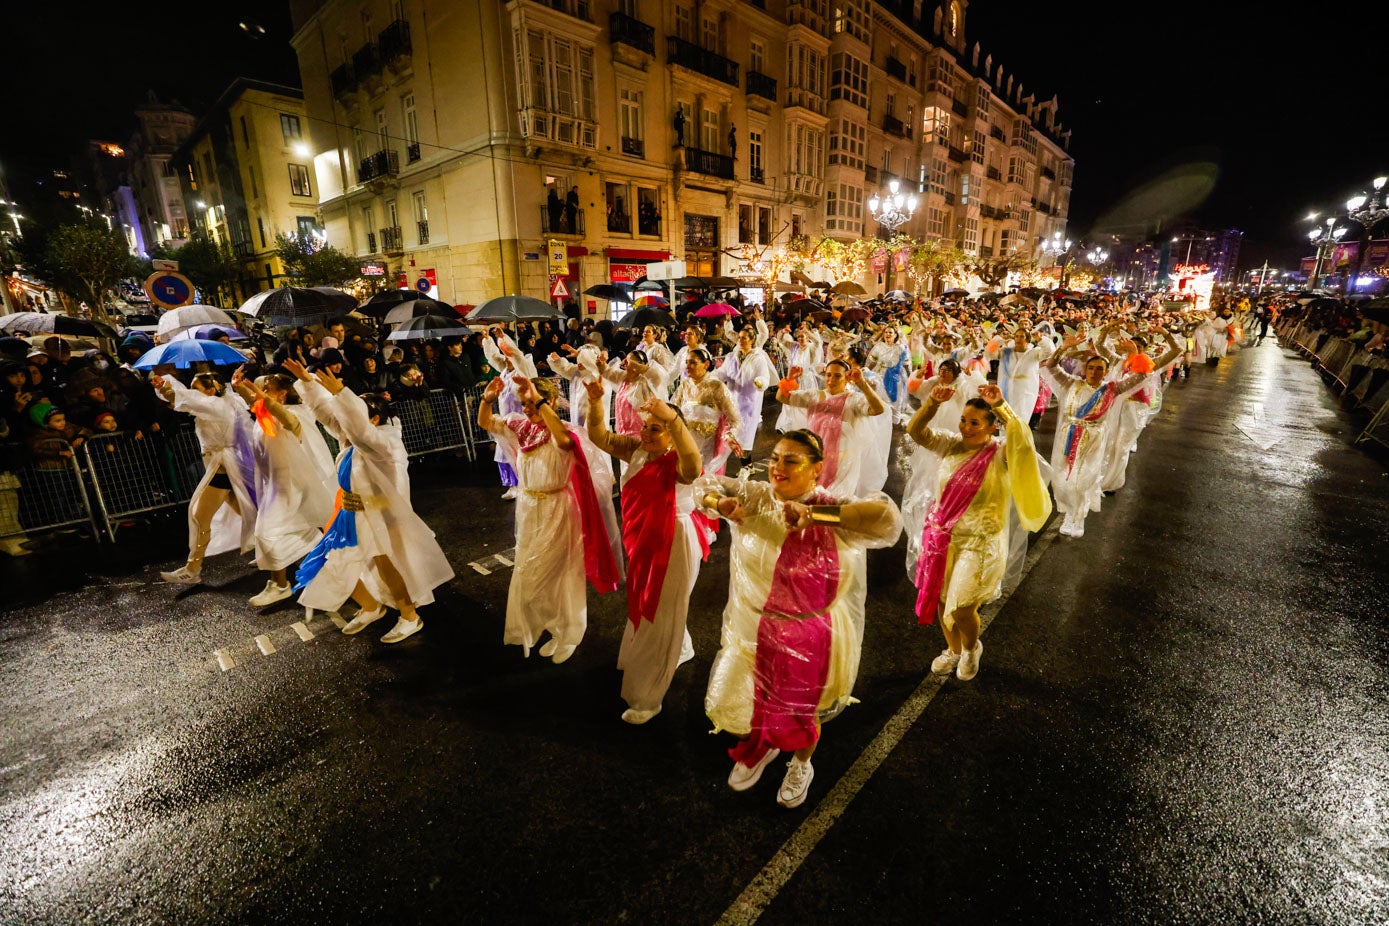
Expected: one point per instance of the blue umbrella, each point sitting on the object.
(209, 333)
(185, 353)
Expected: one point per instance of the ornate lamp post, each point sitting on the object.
(894, 209)
(1325, 238)
(1367, 210)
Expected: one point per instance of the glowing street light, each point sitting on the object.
(894, 209)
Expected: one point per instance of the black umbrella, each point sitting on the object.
(954, 292)
(299, 305)
(613, 292)
(691, 283)
(643, 283)
(382, 302)
(855, 314)
(428, 327)
(510, 308)
(416, 307)
(22, 323)
(1032, 292)
(1376, 310)
(647, 315)
(899, 295)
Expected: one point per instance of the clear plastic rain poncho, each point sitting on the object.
(793, 626)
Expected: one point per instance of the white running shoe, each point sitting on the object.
(945, 662)
(969, 662)
(743, 777)
(511, 493)
(634, 716)
(181, 576)
(403, 629)
(363, 620)
(686, 650)
(796, 783)
(271, 594)
(550, 646)
(562, 653)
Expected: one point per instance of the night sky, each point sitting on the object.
(1243, 119)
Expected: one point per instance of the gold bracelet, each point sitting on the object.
(825, 514)
(711, 500)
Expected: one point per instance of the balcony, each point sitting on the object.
(956, 154)
(559, 222)
(1048, 173)
(894, 126)
(996, 132)
(985, 251)
(757, 175)
(958, 108)
(805, 185)
(394, 43)
(707, 162)
(619, 223)
(243, 248)
(412, 152)
(633, 146)
(342, 80)
(797, 96)
(895, 68)
(380, 165)
(371, 242)
(949, 199)
(392, 241)
(760, 84)
(422, 231)
(366, 63)
(632, 32)
(702, 61)
(993, 173)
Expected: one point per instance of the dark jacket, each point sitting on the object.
(455, 374)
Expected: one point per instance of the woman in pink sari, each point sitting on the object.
(793, 626)
(964, 542)
(833, 413)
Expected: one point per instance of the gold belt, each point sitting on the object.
(537, 493)
(703, 427)
(351, 501)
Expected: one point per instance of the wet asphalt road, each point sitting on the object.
(1182, 717)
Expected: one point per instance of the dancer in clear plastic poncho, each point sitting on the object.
(835, 414)
(803, 352)
(375, 550)
(561, 527)
(964, 544)
(888, 359)
(294, 480)
(588, 364)
(746, 372)
(1019, 369)
(663, 546)
(1126, 357)
(510, 363)
(222, 511)
(710, 411)
(793, 626)
(1078, 447)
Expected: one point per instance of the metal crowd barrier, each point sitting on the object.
(41, 495)
(130, 476)
(1359, 377)
(433, 425)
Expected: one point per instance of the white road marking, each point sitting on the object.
(304, 632)
(224, 660)
(337, 619)
(503, 560)
(266, 647)
(763, 889)
(483, 570)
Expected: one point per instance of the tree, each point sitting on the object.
(315, 264)
(83, 260)
(933, 261)
(993, 271)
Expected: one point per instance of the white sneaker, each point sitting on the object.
(181, 576)
(510, 493)
(743, 777)
(363, 620)
(969, 662)
(562, 653)
(634, 716)
(271, 594)
(796, 783)
(686, 650)
(550, 646)
(403, 629)
(945, 662)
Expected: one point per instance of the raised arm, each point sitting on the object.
(528, 393)
(1029, 489)
(870, 395)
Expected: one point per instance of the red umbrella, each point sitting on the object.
(717, 309)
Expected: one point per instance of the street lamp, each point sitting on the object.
(1325, 238)
(894, 209)
(1367, 210)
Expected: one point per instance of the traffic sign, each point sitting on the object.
(169, 289)
(558, 291)
(171, 265)
(422, 284)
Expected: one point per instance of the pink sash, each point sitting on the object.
(826, 419)
(648, 528)
(954, 500)
(806, 576)
(628, 418)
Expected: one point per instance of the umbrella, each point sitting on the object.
(21, 323)
(848, 288)
(724, 283)
(951, 293)
(510, 308)
(184, 353)
(787, 287)
(643, 283)
(1032, 292)
(428, 327)
(209, 333)
(717, 309)
(1017, 299)
(801, 278)
(381, 303)
(190, 316)
(73, 342)
(416, 307)
(646, 300)
(854, 314)
(898, 295)
(650, 315)
(299, 305)
(801, 306)
(691, 283)
(613, 292)
(1376, 310)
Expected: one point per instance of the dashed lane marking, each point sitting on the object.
(304, 633)
(481, 569)
(337, 619)
(224, 660)
(763, 889)
(486, 565)
(264, 645)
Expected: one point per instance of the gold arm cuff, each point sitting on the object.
(825, 514)
(711, 500)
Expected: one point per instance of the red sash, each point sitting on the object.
(648, 529)
(940, 525)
